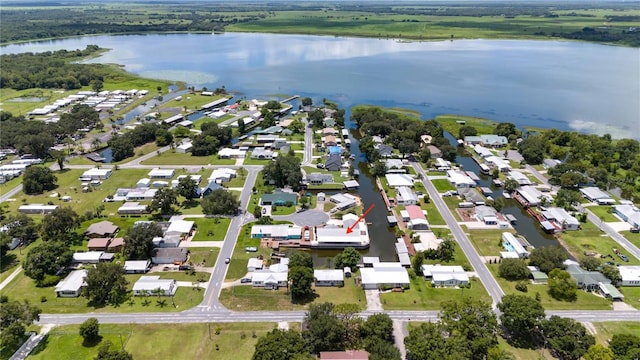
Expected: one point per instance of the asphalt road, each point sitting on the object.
(470, 252)
(308, 143)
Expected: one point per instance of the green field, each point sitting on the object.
(633, 237)
(442, 185)
(487, 242)
(606, 330)
(422, 296)
(603, 213)
(151, 342)
(590, 238)
(210, 229)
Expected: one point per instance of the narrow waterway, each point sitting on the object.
(526, 225)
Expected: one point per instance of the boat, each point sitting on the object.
(497, 182)
(251, 249)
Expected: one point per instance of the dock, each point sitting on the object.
(289, 99)
(95, 157)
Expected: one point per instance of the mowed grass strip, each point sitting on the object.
(210, 229)
(422, 296)
(156, 341)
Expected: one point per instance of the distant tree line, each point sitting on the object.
(49, 70)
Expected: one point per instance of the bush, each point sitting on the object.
(522, 286)
(43, 299)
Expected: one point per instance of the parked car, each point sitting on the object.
(245, 280)
(623, 257)
(184, 267)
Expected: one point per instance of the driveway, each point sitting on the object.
(373, 300)
(308, 217)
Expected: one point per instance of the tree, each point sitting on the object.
(467, 130)
(163, 137)
(22, 227)
(521, 316)
(446, 250)
(300, 258)
(187, 188)
(324, 332)
(407, 146)
(280, 345)
(301, 279)
(589, 263)
(306, 101)
(513, 269)
(121, 147)
(612, 273)
(598, 352)
(163, 200)
(379, 168)
(562, 286)
(622, 344)
(220, 202)
(15, 317)
(475, 321)
(349, 257)
(59, 223)
(498, 203)
(97, 85)
(548, 258)
(241, 126)
(510, 185)
(59, 157)
(495, 353)
(432, 341)
(90, 330)
(378, 326)
(284, 171)
(566, 338)
(424, 155)
(505, 129)
(138, 244)
(105, 353)
(38, 179)
(417, 261)
(382, 350)
(46, 259)
(532, 150)
(106, 284)
(566, 198)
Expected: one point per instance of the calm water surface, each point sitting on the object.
(566, 85)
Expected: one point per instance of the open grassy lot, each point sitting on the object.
(634, 238)
(23, 288)
(603, 213)
(631, 295)
(172, 157)
(210, 229)
(450, 123)
(238, 265)
(154, 341)
(487, 242)
(422, 296)
(606, 330)
(442, 185)
(433, 215)
(248, 298)
(13, 258)
(203, 256)
(585, 301)
(590, 238)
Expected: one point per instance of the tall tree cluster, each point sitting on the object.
(300, 275)
(211, 139)
(284, 172)
(15, 317)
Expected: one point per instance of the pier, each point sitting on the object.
(289, 99)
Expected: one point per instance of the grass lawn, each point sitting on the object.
(236, 182)
(238, 265)
(442, 185)
(603, 213)
(450, 124)
(204, 256)
(23, 288)
(631, 295)
(248, 298)
(585, 301)
(606, 330)
(10, 184)
(173, 158)
(590, 238)
(423, 296)
(283, 210)
(452, 203)
(210, 229)
(634, 238)
(433, 215)
(487, 242)
(155, 341)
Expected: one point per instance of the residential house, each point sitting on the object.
(261, 153)
(384, 275)
(405, 196)
(276, 232)
(512, 244)
(561, 218)
(132, 208)
(493, 140)
(319, 178)
(71, 286)
(351, 184)
(394, 166)
(368, 261)
(596, 195)
(445, 275)
(550, 163)
(628, 213)
(487, 214)
(229, 153)
(402, 252)
(482, 151)
(384, 150)
(630, 275)
(343, 201)
(587, 280)
(332, 277)
(610, 292)
(498, 162)
(96, 174)
(537, 276)
(530, 196)
(37, 209)
(333, 237)
(270, 279)
(222, 175)
(442, 165)
(471, 196)
(169, 255)
(182, 228)
(158, 173)
(209, 188)
(333, 162)
(279, 198)
(110, 245)
(91, 257)
(153, 285)
(137, 266)
(329, 131)
(415, 218)
(254, 264)
(143, 183)
(519, 177)
(101, 229)
(460, 179)
(435, 152)
(399, 180)
(184, 148)
(167, 241)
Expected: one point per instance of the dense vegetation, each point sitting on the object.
(601, 22)
(49, 70)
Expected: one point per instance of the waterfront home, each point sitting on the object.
(399, 180)
(343, 201)
(519, 177)
(384, 150)
(482, 151)
(487, 215)
(394, 166)
(328, 277)
(560, 218)
(596, 195)
(445, 275)
(630, 275)
(153, 285)
(471, 195)
(317, 178)
(442, 165)
(513, 245)
(71, 286)
(351, 184)
(403, 253)
(498, 162)
(405, 196)
(460, 179)
(530, 196)
(384, 275)
(333, 162)
(338, 238)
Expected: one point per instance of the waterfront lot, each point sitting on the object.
(248, 298)
(487, 242)
(585, 300)
(590, 238)
(156, 341)
(422, 296)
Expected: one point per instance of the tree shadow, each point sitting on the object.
(41, 346)
(189, 204)
(305, 300)
(8, 261)
(92, 342)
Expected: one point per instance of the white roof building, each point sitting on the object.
(143, 183)
(405, 196)
(180, 227)
(153, 285)
(71, 285)
(222, 174)
(232, 153)
(498, 162)
(137, 266)
(96, 174)
(383, 275)
(562, 218)
(328, 275)
(594, 194)
(88, 257)
(37, 209)
(445, 275)
(531, 195)
(161, 173)
(460, 179)
(132, 208)
(397, 180)
(630, 275)
(482, 151)
(519, 177)
(184, 147)
(512, 244)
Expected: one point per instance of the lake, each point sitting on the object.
(567, 85)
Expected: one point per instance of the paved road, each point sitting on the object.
(220, 270)
(308, 143)
(470, 252)
(10, 193)
(10, 277)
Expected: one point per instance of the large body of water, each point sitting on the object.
(566, 85)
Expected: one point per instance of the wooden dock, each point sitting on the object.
(289, 99)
